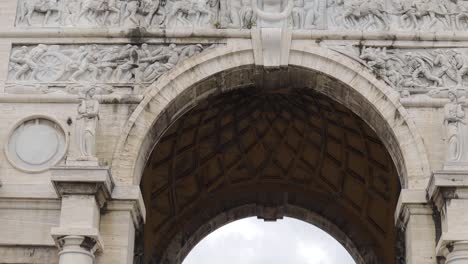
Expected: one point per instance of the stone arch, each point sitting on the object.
(232, 66)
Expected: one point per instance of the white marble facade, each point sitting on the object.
(82, 82)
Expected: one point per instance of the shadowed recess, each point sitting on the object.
(269, 149)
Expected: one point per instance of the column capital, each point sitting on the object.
(81, 180)
(76, 249)
(88, 235)
(454, 252)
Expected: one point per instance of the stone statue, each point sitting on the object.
(455, 127)
(87, 121)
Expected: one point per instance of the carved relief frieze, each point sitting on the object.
(305, 14)
(50, 68)
(413, 70)
(406, 15)
(118, 13)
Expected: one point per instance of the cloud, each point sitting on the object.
(252, 241)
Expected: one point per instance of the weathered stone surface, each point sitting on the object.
(388, 79)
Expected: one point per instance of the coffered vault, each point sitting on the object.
(271, 148)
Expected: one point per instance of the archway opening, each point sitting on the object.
(252, 240)
(270, 153)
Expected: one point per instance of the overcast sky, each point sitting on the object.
(252, 241)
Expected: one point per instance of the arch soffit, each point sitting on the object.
(250, 210)
(160, 108)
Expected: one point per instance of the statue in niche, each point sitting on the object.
(272, 14)
(87, 121)
(46, 7)
(241, 14)
(455, 127)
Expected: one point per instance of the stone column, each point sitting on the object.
(449, 191)
(84, 191)
(414, 217)
(76, 249)
(456, 253)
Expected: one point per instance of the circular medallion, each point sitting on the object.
(36, 144)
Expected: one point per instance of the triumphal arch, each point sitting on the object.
(131, 129)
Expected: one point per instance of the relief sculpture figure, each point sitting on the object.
(241, 14)
(455, 126)
(96, 63)
(93, 9)
(365, 14)
(421, 66)
(183, 9)
(447, 63)
(27, 8)
(161, 61)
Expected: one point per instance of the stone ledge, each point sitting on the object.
(411, 202)
(77, 32)
(80, 180)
